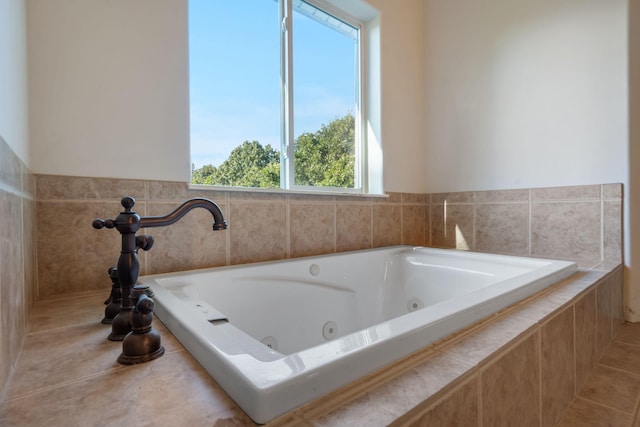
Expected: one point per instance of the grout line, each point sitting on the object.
(540, 391)
(371, 225)
(227, 233)
(480, 400)
(530, 220)
(401, 223)
(287, 226)
(335, 226)
(575, 355)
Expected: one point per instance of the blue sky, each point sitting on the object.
(234, 65)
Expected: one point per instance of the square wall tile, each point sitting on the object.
(257, 231)
(413, 223)
(566, 230)
(502, 228)
(353, 227)
(460, 408)
(386, 221)
(452, 226)
(510, 386)
(558, 377)
(586, 337)
(312, 228)
(603, 313)
(75, 261)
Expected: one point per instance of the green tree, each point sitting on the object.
(327, 157)
(248, 165)
(202, 175)
(324, 158)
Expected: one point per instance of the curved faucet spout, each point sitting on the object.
(197, 202)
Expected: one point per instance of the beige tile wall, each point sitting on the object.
(17, 257)
(74, 257)
(578, 223)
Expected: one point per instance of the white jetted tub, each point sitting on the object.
(276, 335)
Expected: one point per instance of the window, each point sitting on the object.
(276, 95)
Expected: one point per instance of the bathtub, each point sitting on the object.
(276, 335)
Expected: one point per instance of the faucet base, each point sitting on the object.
(132, 360)
(141, 346)
(115, 298)
(121, 324)
(110, 312)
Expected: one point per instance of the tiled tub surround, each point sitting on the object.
(573, 223)
(521, 367)
(17, 257)
(551, 342)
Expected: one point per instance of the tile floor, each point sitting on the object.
(611, 394)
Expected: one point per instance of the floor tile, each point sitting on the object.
(623, 356)
(612, 387)
(629, 333)
(583, 413)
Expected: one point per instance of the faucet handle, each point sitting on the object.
(144, 242)
(98, 223)
(127, 203)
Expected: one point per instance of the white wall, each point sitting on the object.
(402, 101)
(525, 93)
(13, 77)
(109, 89)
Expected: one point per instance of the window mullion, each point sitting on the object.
(287, 151)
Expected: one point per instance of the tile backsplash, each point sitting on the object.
(17, 255)
(580, 223)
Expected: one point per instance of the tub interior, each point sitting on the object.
(293, 305)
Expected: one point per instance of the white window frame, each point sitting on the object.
(287, 155)
(369, 168)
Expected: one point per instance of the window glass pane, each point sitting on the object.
(325, 96)
(234, 82)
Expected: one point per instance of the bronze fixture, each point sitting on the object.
(115, 298)
(132, 324)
